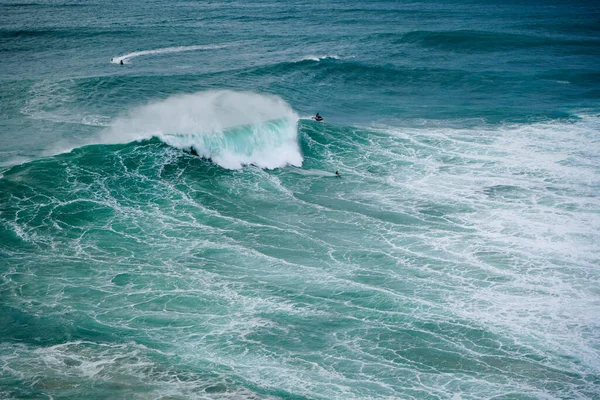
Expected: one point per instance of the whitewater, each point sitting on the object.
(173, 227)
(232, 129)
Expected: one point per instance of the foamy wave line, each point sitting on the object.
(320, 58)
(166, 50)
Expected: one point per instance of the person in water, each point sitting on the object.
(337, 174)
(121, 62)
(318, 117)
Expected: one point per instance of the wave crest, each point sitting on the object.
(320, 57)
(233, 129)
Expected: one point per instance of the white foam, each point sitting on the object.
(524, 201)
(58, 97)
(313, 172)
(179, 49)
(82, 367)
(320, 57)
(231, 128)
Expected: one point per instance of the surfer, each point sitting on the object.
(318, 117)
(191, 151)
(121, 62)
(337, 174)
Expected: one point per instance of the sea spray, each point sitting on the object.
(231, 128)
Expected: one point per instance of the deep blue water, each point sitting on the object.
(456, 257)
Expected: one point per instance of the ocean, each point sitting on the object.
(172, 227)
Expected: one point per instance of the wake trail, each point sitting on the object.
(167, 50)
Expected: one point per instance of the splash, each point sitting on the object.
(233, 129)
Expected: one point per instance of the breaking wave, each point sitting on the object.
(232, 129)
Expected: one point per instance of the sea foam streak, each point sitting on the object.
(320, 57)
(231, 128)
(179, 49)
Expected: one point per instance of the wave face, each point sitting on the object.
(231, 128)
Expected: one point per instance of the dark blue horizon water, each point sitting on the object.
(457, 257)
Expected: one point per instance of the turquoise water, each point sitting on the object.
(456, 258)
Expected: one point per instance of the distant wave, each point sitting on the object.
(179, 49)
(484, 41)
(468, 40)
(49, 4)
(319, 58)
(60, 33)
(372, 75)
(389, 77)
(232, 129)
